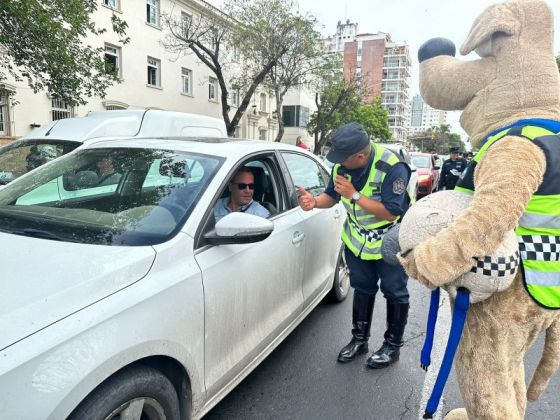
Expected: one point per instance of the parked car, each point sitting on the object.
(428, 172)
(403, 154)
(60, 137)
(128, 300)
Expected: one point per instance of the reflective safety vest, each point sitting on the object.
(363, 232)
(538, 232)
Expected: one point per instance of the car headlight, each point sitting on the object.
(423, 178)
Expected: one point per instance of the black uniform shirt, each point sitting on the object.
(393, 189)
(450, 173)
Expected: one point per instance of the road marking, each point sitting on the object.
(443, 326)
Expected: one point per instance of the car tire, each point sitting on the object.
(136, 392)
(341, 282)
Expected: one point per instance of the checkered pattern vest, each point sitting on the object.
(538, 232)
(363, 232)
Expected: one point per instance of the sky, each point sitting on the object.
(413, 21)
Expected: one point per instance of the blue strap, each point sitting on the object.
(425, 359)
(457, 324)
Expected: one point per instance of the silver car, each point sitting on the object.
(126, 299)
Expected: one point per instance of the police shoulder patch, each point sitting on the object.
(399, 186)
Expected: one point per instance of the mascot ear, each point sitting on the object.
(495, 19)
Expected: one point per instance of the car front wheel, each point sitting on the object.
(341, 283)
(136, 393)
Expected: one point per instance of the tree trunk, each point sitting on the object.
(279, 102)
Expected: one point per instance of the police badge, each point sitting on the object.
(399, 186)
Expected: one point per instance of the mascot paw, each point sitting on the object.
(457, 414)
(409, 264)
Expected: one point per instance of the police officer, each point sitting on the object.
(451, 170)
(371, 182)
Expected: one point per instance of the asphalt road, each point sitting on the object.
(302, 380)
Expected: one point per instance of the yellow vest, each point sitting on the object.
(538, 232)
(363, 232)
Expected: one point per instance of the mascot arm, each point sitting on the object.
(505, 180)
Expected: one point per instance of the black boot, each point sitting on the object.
(397, 315)
(362, 309)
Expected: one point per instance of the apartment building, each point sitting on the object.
(150, 76)
(380, 66)
(423, 117)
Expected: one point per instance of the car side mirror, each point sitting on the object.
(240, 228)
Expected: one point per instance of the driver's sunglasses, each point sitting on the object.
(242, 185)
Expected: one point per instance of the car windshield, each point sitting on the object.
(421, 161)
(20, 157)
(112, 196)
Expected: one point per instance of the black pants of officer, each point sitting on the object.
(366, 277)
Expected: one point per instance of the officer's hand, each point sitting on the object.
(344, 187)
(306, 200)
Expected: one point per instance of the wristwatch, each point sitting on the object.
(355, 197)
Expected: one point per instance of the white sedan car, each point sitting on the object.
(127, 300)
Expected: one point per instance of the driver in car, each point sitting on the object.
(242, 189)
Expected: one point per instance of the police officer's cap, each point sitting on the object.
(454, 150)
(346, 141)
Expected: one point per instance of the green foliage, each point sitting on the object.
(558, 61)
(438, 140)
(43, 42)
(373, 117)
(340, 103)
(303, 63)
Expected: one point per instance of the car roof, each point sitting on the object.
(218, 146)
(129, 123)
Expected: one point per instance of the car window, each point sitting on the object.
(148, 198)
(18, 158)
(269, 191)
(306, 173)
(421, 161)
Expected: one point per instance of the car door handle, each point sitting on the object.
(298, 237)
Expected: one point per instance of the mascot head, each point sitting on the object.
(516, 76)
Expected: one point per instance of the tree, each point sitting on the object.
(438, 140)
(339, 102)
(259, 29)
(43, 42)
(303, 62)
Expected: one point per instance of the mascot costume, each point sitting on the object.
(510, 99)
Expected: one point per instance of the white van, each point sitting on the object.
(60, 137)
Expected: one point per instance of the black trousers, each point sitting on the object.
(367, 276)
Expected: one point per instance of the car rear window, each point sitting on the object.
(20, 157)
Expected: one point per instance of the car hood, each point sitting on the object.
(44, 281)
(423, 171)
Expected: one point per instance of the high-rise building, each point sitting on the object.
(380, 66)
(423, 117)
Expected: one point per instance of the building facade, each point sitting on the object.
(150, 76)
(380, 66)
(423, 117)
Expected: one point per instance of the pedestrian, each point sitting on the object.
(371, 182)
(451, 170)
(300, 143)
